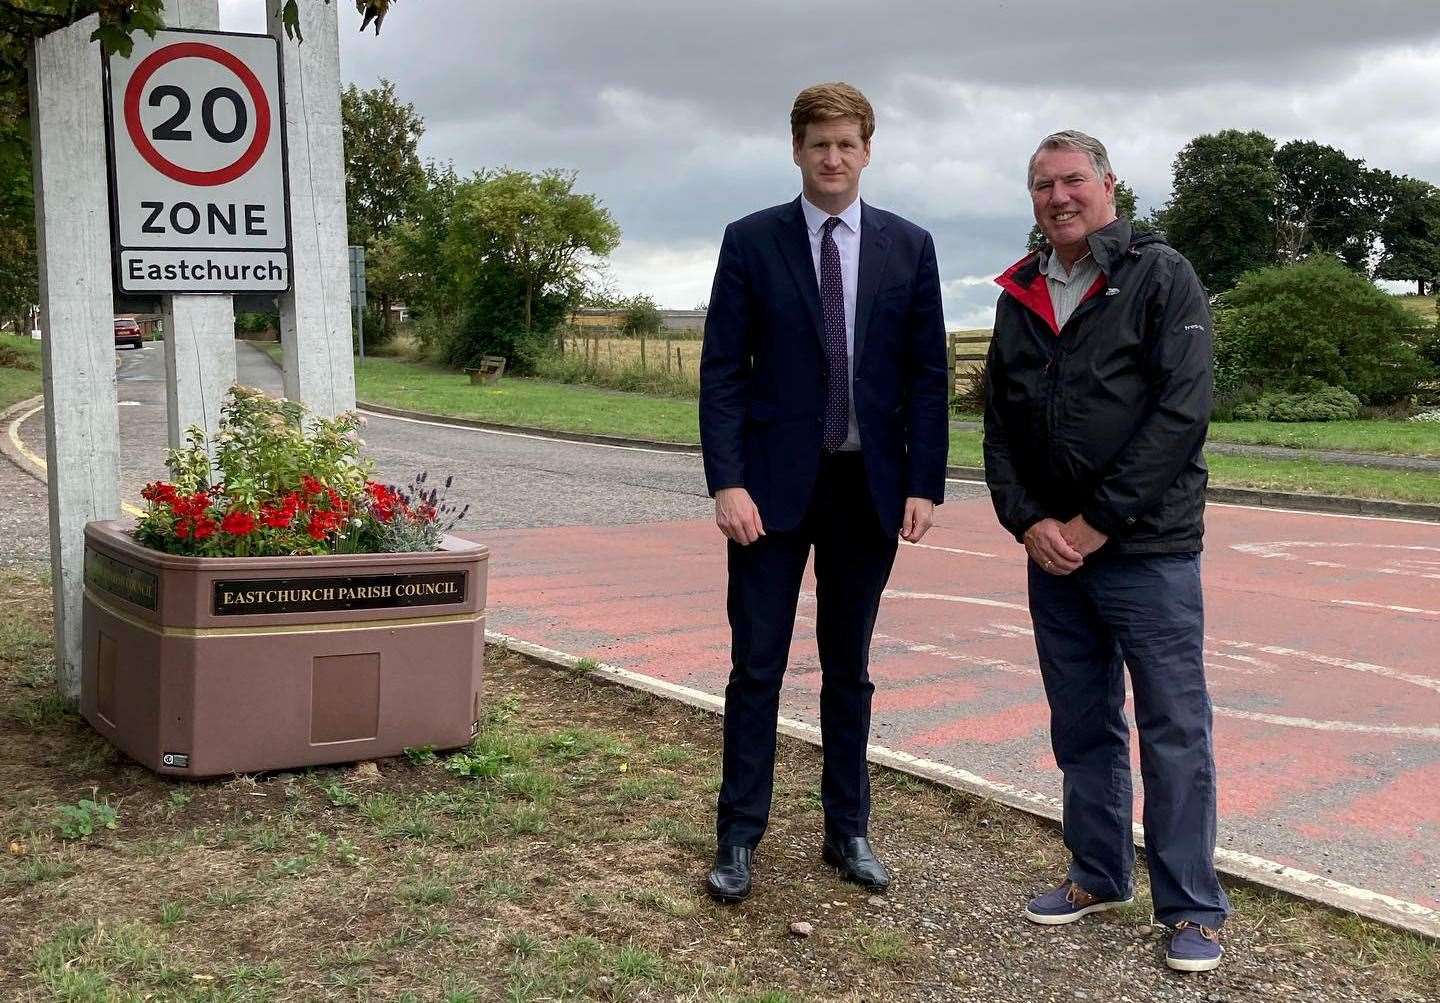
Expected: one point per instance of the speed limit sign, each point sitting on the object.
(196, 140)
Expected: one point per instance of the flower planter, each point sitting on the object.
(201, 666)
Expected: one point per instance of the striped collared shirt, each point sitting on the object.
(1067, 289)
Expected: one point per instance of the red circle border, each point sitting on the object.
(157, 160)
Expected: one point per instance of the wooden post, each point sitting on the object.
(315, 313)
(199, 328)
(679, 363)
(667, 354)
(642, 351)
(72, 224)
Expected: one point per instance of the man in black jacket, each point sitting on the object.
(1098, 397)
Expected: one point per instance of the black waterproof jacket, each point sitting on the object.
(1106, 416)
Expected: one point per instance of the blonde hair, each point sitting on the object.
(826, 102)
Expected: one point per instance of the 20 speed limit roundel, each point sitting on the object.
(172, 128)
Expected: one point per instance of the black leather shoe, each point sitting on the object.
(856, 861)
(729, 879)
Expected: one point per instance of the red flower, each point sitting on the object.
(321, 522)
(237, 523)
(204, 528)
(161, 492)
(311, 485)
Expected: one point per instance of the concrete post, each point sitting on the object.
(72, 224)
(199, 329)
(315, 313)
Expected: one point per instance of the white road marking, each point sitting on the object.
(1324, 515)
(1280, 550)
(968, 600)
(951, 550)
(1376, 605)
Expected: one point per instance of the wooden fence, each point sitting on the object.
(965, 357)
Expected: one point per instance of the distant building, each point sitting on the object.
(670, 320)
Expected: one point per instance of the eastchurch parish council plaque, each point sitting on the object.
(134, 585)
(245, 597)
(196, 138)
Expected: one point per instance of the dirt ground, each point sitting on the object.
(560, 857)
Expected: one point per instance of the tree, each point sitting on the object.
(1318, 323)
(537, 225)
(1325, 202)
(383, 176)
(642, 317)
(1409, 231)
(19, 267)
(1125, 208)
(1221, 214)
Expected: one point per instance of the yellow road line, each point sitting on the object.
(39, 461)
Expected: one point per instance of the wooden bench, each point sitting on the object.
(491, 368)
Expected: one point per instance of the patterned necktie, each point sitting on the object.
(837, 362)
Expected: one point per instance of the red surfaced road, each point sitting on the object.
(1323, 659)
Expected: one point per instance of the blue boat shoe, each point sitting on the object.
(1194, 948)
(1068, 903)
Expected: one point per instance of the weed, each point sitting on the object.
(82, 819)
(428, 891)
(636, 963)
(339, 795)
(171, 913)
(422, 756)
(885, 946)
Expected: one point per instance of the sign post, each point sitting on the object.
(357, 293)
(76, 314)
(314, 319)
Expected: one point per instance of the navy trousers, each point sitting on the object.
(853, 557)
(1144, 611)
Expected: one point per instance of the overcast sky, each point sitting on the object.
(676, 114)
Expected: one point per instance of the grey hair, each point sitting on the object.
(1072, 139)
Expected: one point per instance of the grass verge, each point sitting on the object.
(557, 857)
(565, 407)
(1399, 438)
(19, 369)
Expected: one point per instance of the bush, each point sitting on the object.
(1295, 327)
(256, 323)
(1323, 404)
(492, 322)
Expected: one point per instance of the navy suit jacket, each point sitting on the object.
(762, 366)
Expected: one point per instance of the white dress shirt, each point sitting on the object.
(847, 241)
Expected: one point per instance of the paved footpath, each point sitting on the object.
(1323, 653)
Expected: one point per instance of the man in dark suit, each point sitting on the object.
(823, 423)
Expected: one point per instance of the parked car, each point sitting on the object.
(127, 332)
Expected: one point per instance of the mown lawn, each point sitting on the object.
(19, 369)
(536, 403)
(1401, 438)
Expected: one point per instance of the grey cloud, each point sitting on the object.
(676, 114)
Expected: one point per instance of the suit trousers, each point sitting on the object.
(853, 557)
(1144, 611)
